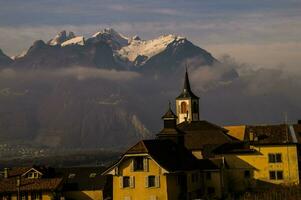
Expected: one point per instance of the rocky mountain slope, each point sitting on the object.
(105, 91)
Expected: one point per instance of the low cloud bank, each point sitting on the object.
(79, 73)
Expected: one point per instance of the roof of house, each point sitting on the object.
(201, 133)
(267, 134)
(21, 171)
(235, 148)
(49, 184)
(82, 178)
(169, 155)
(187, 93)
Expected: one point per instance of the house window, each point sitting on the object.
(279, 175)
(276, 175)
(194, 177)
(24, 196)
(138, 164)
(126, 181)
(275, 157)
(208, 175)
(7, 197)
(183, 107)
(152, 181)
(36, 196)
(181, 179)
(247, 174)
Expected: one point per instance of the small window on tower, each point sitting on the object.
(183, 107)
(195, 107)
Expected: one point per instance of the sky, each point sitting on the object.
(264, 33)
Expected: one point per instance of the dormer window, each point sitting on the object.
(71, 175)
(32, 175)
(92, 175)
(138, 164)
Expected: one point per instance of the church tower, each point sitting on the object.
(187, 104)
(170, 130)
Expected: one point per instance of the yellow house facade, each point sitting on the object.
(266, 156)
(157, 169)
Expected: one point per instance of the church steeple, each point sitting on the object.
(170, 130)
(187, 93)
(187, 103)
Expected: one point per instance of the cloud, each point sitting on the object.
(82, 73)
(79, 73)
(251, 81)
(265, 55)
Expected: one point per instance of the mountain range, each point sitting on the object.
(110, 90)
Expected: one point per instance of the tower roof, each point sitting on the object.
(187, 93)
(169, 114)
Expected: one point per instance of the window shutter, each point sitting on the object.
(116, 171)
(157, 179)
(132, 165)
(132, 182)
(146, 181)
(145, 164)
(121, 182)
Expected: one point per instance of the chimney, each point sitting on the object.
(5, 174)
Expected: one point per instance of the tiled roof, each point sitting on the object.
(82, 178)
(201, 133)
(167, 154)
(49, 184)
(17, 171)
(235, 148)
(267, 134)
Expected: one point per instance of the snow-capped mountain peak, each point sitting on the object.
(61, 37)
(79, 40)
(116, 39)
(147, 48)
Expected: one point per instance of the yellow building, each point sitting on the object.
(157, 169)
(44, 183)
(266, 156)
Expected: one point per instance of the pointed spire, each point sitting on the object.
(169, 114)
(187, 93)
(186, 82)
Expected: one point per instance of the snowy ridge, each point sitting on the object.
(79, 40)
(118, 40)
(20, 55)
(130, 50)
(61, 37)
(147, 48)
